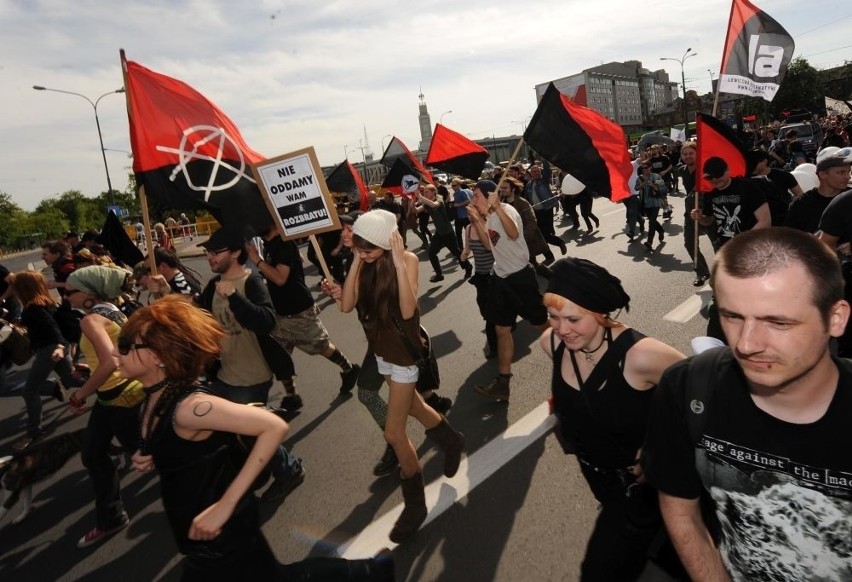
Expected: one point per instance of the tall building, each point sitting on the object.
(624, 92)
(425, 125)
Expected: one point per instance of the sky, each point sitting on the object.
(298, 73)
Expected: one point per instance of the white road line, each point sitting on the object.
(443, 493)
(688, 309)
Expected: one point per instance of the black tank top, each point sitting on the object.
(194, 475)
(609, 435)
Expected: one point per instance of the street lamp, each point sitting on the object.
(441, 119)
(685, 56)
(94, 105)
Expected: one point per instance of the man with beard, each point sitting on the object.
(240, 302)
(756, 425)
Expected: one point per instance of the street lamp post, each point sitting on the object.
(685, 56)
(441, 119)
(94, 105)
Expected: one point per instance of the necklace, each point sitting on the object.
(149, 390)
(146, 429)
(588, 353)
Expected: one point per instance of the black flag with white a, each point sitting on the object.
(402, 180)
(757, 52)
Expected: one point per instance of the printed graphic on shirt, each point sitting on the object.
(780, 519)
(494, 236)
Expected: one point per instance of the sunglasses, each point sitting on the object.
(125, 344)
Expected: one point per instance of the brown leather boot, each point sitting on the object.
(414, 513)
(451, 442)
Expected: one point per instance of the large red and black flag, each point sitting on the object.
(715, 139)
(456, 154)
(581, 142)
(402, 179)
(397, 150)
(187, 153)
(757, 52)
(345, 179)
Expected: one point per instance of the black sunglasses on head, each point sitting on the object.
(125, 344)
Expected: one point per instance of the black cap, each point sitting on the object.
(715, 167)
(225, 238)
(486, 186)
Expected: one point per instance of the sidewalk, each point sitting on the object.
(188, 249)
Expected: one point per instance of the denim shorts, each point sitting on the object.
(398, 374)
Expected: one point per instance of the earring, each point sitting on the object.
(88, 303)
(161, 365)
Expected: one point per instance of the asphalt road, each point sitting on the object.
(518, 510)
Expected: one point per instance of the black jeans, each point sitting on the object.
(654, 225)
(701, 268)
(586, 202)
(106, 422)
(544, 218)
(442, 241)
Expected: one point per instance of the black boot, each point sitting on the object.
(414, 513)
(451, 442)
(387, 463)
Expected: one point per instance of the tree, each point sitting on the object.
(802, 87)
(11, 218)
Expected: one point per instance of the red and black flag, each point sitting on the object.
(397, 150)
(187, 153)
(581, 142)
(757, 52)
(402, 180)
(715, 139)
(456, 154)
(345, 179)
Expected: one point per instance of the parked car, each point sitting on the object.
(810, 136)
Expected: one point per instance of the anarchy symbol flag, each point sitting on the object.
(756, 54)
(345, 179)
(454, 153)
(397, 150)
(402, 179)
(187, 153)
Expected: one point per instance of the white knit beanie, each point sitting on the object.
(376, 227)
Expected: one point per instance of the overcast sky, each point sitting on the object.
(300, 73)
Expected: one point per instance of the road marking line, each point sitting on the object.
(443, 493)
(688, 309)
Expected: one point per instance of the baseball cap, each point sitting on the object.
(833, 157)
(224, 238)
(715, 167)
(486, 186)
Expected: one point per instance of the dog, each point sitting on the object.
(19, 472)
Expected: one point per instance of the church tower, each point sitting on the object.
(425, 125)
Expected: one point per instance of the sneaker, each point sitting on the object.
(348, 379)
(436, 278)
(387, 463)
(96, 534)
(291, 402)
(440, 404)
(27, 441)
(497, 389)
(281, 488)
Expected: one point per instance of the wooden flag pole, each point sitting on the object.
(511, 161)
(326, 273)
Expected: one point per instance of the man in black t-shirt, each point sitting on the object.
(806, 210)
(763, 443)
(297, 323)
(735, 205)
(778, 185)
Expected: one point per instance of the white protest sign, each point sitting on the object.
(296, 193)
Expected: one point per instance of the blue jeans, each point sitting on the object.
(42, 366)
(283, 464)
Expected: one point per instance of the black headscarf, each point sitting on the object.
(588, 285)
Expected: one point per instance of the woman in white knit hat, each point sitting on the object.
(382, 286)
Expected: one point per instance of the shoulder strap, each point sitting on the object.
(417, 354)
(704, 369)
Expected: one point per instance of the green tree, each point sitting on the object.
(11, 219)
(802, 87)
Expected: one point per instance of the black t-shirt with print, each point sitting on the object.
(733, 208)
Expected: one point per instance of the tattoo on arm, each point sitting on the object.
(202, 408)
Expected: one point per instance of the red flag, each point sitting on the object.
(189, 154)
(454, 153)
(346, 179)
(396, 150)
(581, 142)
(757, 52)
(717, 139)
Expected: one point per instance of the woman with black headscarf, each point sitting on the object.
(604, 374)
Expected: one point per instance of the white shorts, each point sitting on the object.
(398, 374)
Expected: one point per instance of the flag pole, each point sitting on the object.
(724, 56)
(143, 199)
(511, 161)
